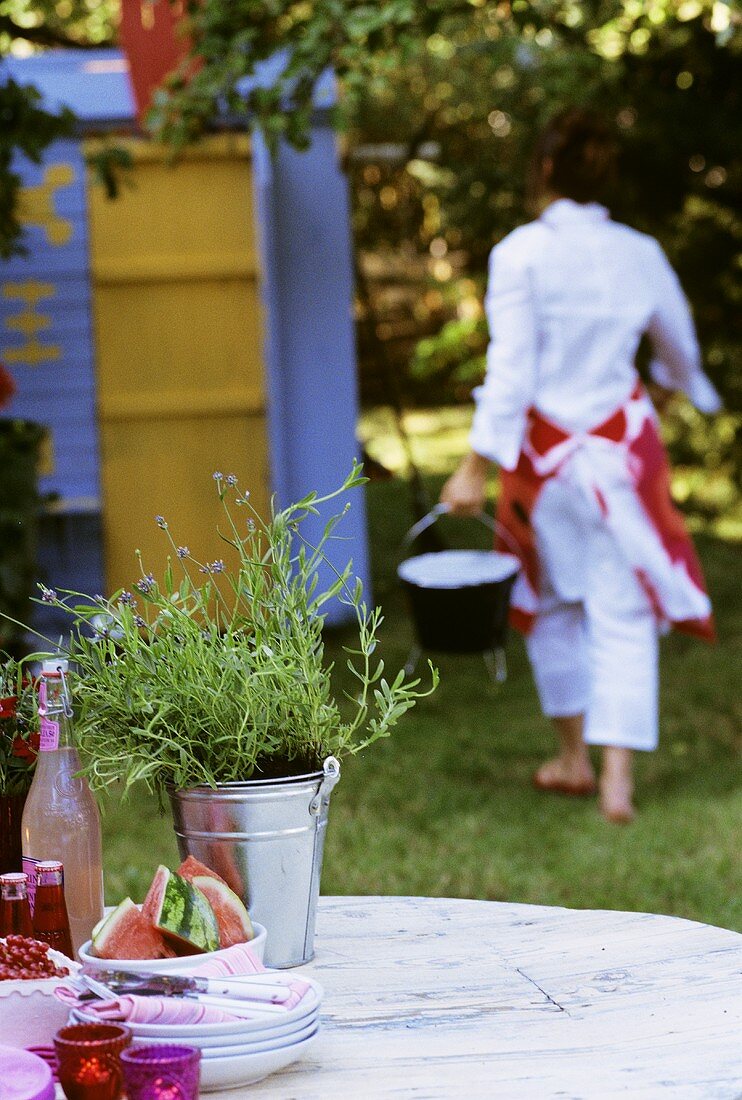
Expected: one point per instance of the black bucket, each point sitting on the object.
(455, 609)
(459, 600)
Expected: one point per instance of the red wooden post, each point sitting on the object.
(152, 45)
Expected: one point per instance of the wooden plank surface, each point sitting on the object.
(428, 997)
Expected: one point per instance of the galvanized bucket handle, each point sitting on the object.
(331, 768)
(443, 509)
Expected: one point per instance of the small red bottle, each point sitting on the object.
(51, 922)
(15, 912)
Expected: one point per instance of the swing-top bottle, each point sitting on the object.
(60, 817)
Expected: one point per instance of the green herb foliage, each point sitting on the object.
(219, 675)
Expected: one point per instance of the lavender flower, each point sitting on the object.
(161, 522)
(182, 552)
(218, 475)
(127, 599)
(217, 566)
(48, 595)
(231, 479)
(139, 621)
(146, 584)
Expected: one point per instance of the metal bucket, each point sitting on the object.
(459, 600)
(265, 837)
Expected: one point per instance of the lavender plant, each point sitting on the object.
(214, 673)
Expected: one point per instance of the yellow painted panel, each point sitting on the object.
(196, 333)
(179, 350)
(202, 205)
(174, 268)
(151, 471)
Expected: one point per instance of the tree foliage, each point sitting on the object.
(473, 80)
(476, 79)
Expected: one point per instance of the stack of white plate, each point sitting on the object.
(243, 1051)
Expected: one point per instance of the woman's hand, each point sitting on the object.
(465, 490)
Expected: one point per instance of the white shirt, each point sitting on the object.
(568, 299)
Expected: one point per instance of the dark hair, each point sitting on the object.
(583, 151)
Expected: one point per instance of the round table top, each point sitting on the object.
(437, 997)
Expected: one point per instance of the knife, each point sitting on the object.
(174, 985)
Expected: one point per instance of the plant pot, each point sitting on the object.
(265, 837)
(11, 813)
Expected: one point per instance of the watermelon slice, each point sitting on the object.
(231, 915)
(191, 867)
(180, 911)
(128, 934)
(151, 903)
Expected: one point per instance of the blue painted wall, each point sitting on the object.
(310, 346)
(45, 321)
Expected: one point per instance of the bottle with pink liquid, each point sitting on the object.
(60, 818)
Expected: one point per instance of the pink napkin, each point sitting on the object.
(229, 962)
(233, 962)
(238, 962)
(130, 1009)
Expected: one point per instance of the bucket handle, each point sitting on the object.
(321, 800)
(441, 509)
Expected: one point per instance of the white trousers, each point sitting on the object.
(594, 644)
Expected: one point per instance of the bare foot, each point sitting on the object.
(617, 787)
(571, 775)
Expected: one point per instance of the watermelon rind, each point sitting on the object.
(153, 899)
(184, 916)
(231, 915)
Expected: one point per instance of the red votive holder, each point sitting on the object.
(161, 1072)
(89, 1057)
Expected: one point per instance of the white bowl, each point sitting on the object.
(247, 1069)
(30, 1014)
(276, 1043)
(161, 966)
(221, 1045)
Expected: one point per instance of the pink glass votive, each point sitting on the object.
(89, 1060)
(161, 1072)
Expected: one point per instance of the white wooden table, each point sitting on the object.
(428, 997)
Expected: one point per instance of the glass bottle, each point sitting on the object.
(60, 818)
(15, 912)
(51, 922)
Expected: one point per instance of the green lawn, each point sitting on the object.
(445, 807)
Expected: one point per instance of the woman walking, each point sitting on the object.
(607, 564)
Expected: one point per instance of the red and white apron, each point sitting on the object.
(620, 468)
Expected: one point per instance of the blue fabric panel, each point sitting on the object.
(95, 83)
(92, 83)
(45, 320)
(304, 215)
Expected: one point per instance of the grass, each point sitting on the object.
(445, 806)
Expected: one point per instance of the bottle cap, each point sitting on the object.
(49, 872)
(55, 666)
(14, 876)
